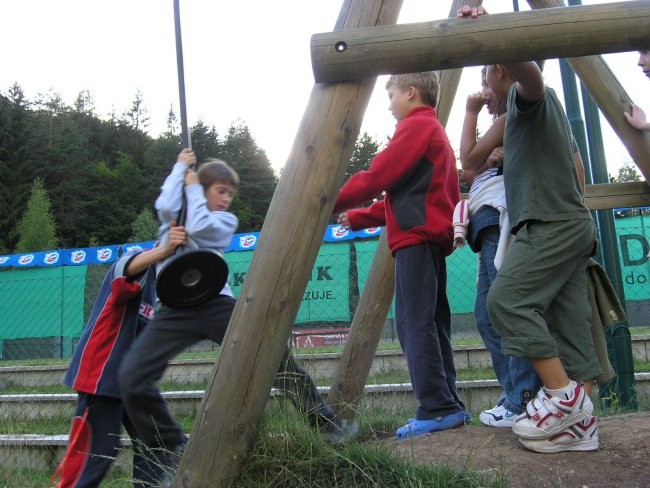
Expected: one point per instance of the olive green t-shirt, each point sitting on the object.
(539, 167)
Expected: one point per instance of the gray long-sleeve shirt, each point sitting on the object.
(205, 229)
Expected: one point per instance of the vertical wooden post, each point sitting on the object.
(611, 98)
(370, 316)
(276, 280)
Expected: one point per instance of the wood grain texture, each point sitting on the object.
(268, 303)
(499, 38)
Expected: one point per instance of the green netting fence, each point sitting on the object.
(43, 310)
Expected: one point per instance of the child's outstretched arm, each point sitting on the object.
(363, 218)
(529, 80)
(637, 119)
(473, 12)
(343, 220)
(530, 83)
(143, 260)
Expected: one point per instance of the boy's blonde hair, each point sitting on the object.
(217, 171)
(425, 82)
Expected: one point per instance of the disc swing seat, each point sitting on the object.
(191, 276)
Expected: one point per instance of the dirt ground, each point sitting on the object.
(623, 459)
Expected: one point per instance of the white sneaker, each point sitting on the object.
(582, 436)
(498, 416)
(547, 415)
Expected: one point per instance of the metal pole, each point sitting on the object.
(620, 342)
(185, 133)
(572, 103)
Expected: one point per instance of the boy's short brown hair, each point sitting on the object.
(217, 171)
(426, 83)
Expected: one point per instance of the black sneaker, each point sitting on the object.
(170, 465)
(339, 431)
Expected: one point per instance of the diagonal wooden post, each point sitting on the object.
(611, 98)
(263, 318)
(370, 316)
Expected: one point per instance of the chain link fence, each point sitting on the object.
(44, 310)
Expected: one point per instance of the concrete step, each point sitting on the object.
(477, 395)
(45, 451)
(34, 451)
(323, 365)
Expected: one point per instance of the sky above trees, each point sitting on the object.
(247, 60)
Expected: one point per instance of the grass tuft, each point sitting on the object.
(289, 454)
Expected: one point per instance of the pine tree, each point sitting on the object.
(36, 229)
(144, 227)
(257, 178)
(18, 165)
(116, 188)
(365, 149)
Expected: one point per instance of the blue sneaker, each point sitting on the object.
(415, 427)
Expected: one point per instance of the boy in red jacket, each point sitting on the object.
(417, 172)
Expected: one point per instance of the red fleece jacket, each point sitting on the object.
(417, 170)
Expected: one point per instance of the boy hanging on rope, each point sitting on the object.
(208, 225)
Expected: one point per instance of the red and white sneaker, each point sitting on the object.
(582, 436)
(547, 415)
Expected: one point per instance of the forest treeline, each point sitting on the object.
(69, 178)
(101, 176)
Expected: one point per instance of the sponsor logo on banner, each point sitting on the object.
(51, 258)
(25, 259)
(4, 259)
(371, 231)
(104, 255)
(339, 232)
(134, 248)
(78, 256)
(247, 241)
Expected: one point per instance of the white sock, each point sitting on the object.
(566, 392)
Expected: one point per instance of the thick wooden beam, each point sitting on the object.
(606, 196)
(498, 38)
(268, 303)
(617, 195)
(611, 98)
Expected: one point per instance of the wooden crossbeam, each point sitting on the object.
(614, 195)
(497, 38)
(617, 195)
